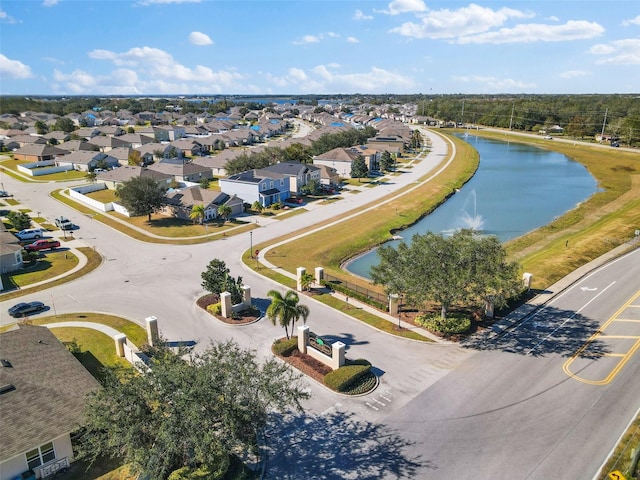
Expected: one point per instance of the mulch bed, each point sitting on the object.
(244, 317)
(307, 365)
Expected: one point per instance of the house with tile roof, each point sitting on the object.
(43, 391)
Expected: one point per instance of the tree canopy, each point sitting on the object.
(192, 410)
(217, 279)
(463, 269)
(359, 168)
(141, 195)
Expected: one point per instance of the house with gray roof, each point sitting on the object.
(86, 161)
(182, 170)
(179, 203)
(136, 140)
(266, 188)
(112, 178)
(10, 252)
(38, 153)
(42, 397)
(75, 145)
(340, 159)
(105, 143)
(298, 174)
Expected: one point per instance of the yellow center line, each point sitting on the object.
(624, 358)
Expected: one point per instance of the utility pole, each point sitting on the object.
(604, 124)
(462, 114)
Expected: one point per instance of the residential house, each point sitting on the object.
(112, 130)
(87, 133)
(22, 140)
(251, 187)
(299, 174)
(135, 140)
(182, 170)
(329, 176)
(58, 135)
(370, 155)
(187, 147)
(10, 252)
(218, 162)
(121, 154)
(340, 159)
(105, 143)
(42, 397)
(86, 161)
(112, 178)
(179, 203)
(38, 153)
(151, 152)
(75, 145)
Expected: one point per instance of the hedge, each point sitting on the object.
(451, 325)
(284, 348)
(340, 379)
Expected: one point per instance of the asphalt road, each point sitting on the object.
(497, 407)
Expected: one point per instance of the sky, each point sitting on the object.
(286, 47)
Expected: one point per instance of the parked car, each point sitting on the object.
(4, 194)
(23, 309)
(548, 137)
(64, 224)
(42, 244)
(30, 234)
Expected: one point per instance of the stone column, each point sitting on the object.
(488, 307)
(394, 300)
(526, 280)
(337, 355)
(300, 271)
(303, 338)
(152, 330)
(225, 303)
(319, 275)
(120, 339)
(246, 296)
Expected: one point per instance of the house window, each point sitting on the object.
(39, 456)
(271, 184)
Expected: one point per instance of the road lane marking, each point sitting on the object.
(624, 356)
(570, 317)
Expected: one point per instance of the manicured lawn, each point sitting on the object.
(49, 265)
(103, 196)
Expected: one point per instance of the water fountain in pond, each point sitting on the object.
(469, 220)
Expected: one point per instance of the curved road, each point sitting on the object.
(497, 407)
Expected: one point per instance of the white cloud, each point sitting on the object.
(618, 52)
(469, 20)
(327, 78)
(199, 38)
(495, 84)
(361, 16)
(353, 40)
(536, 32)
(404, 6)
(307, 39)
(155, 71)
(573, 74)
(6, 18)
(50, 3)
(553, 18)
(14, 69)
(631, 21)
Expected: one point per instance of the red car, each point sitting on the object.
(44, 244)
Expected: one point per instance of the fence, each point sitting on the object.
(365, 292)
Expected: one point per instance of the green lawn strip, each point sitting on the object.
(94, 259)
(368, 318)
(621, 457)
(291, 213)
(11, 201)
(134, 332)
(208, 232)
(49, 265)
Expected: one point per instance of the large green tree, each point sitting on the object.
(190, 410)
(65, 124)
(462, 269)
(141, 195)
(359, 168)
(286, 309)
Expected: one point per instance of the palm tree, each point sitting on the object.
(197, 213)
(224, 211)
(306, 280)
(286, 309)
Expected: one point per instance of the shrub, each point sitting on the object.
(202, 472)
(215, 308)
(452, 325)
(284, 348)
(340, 379)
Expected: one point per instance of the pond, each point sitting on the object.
(516, 189)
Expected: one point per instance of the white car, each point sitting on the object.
(30, 234)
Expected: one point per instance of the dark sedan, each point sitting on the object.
(24, 309)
